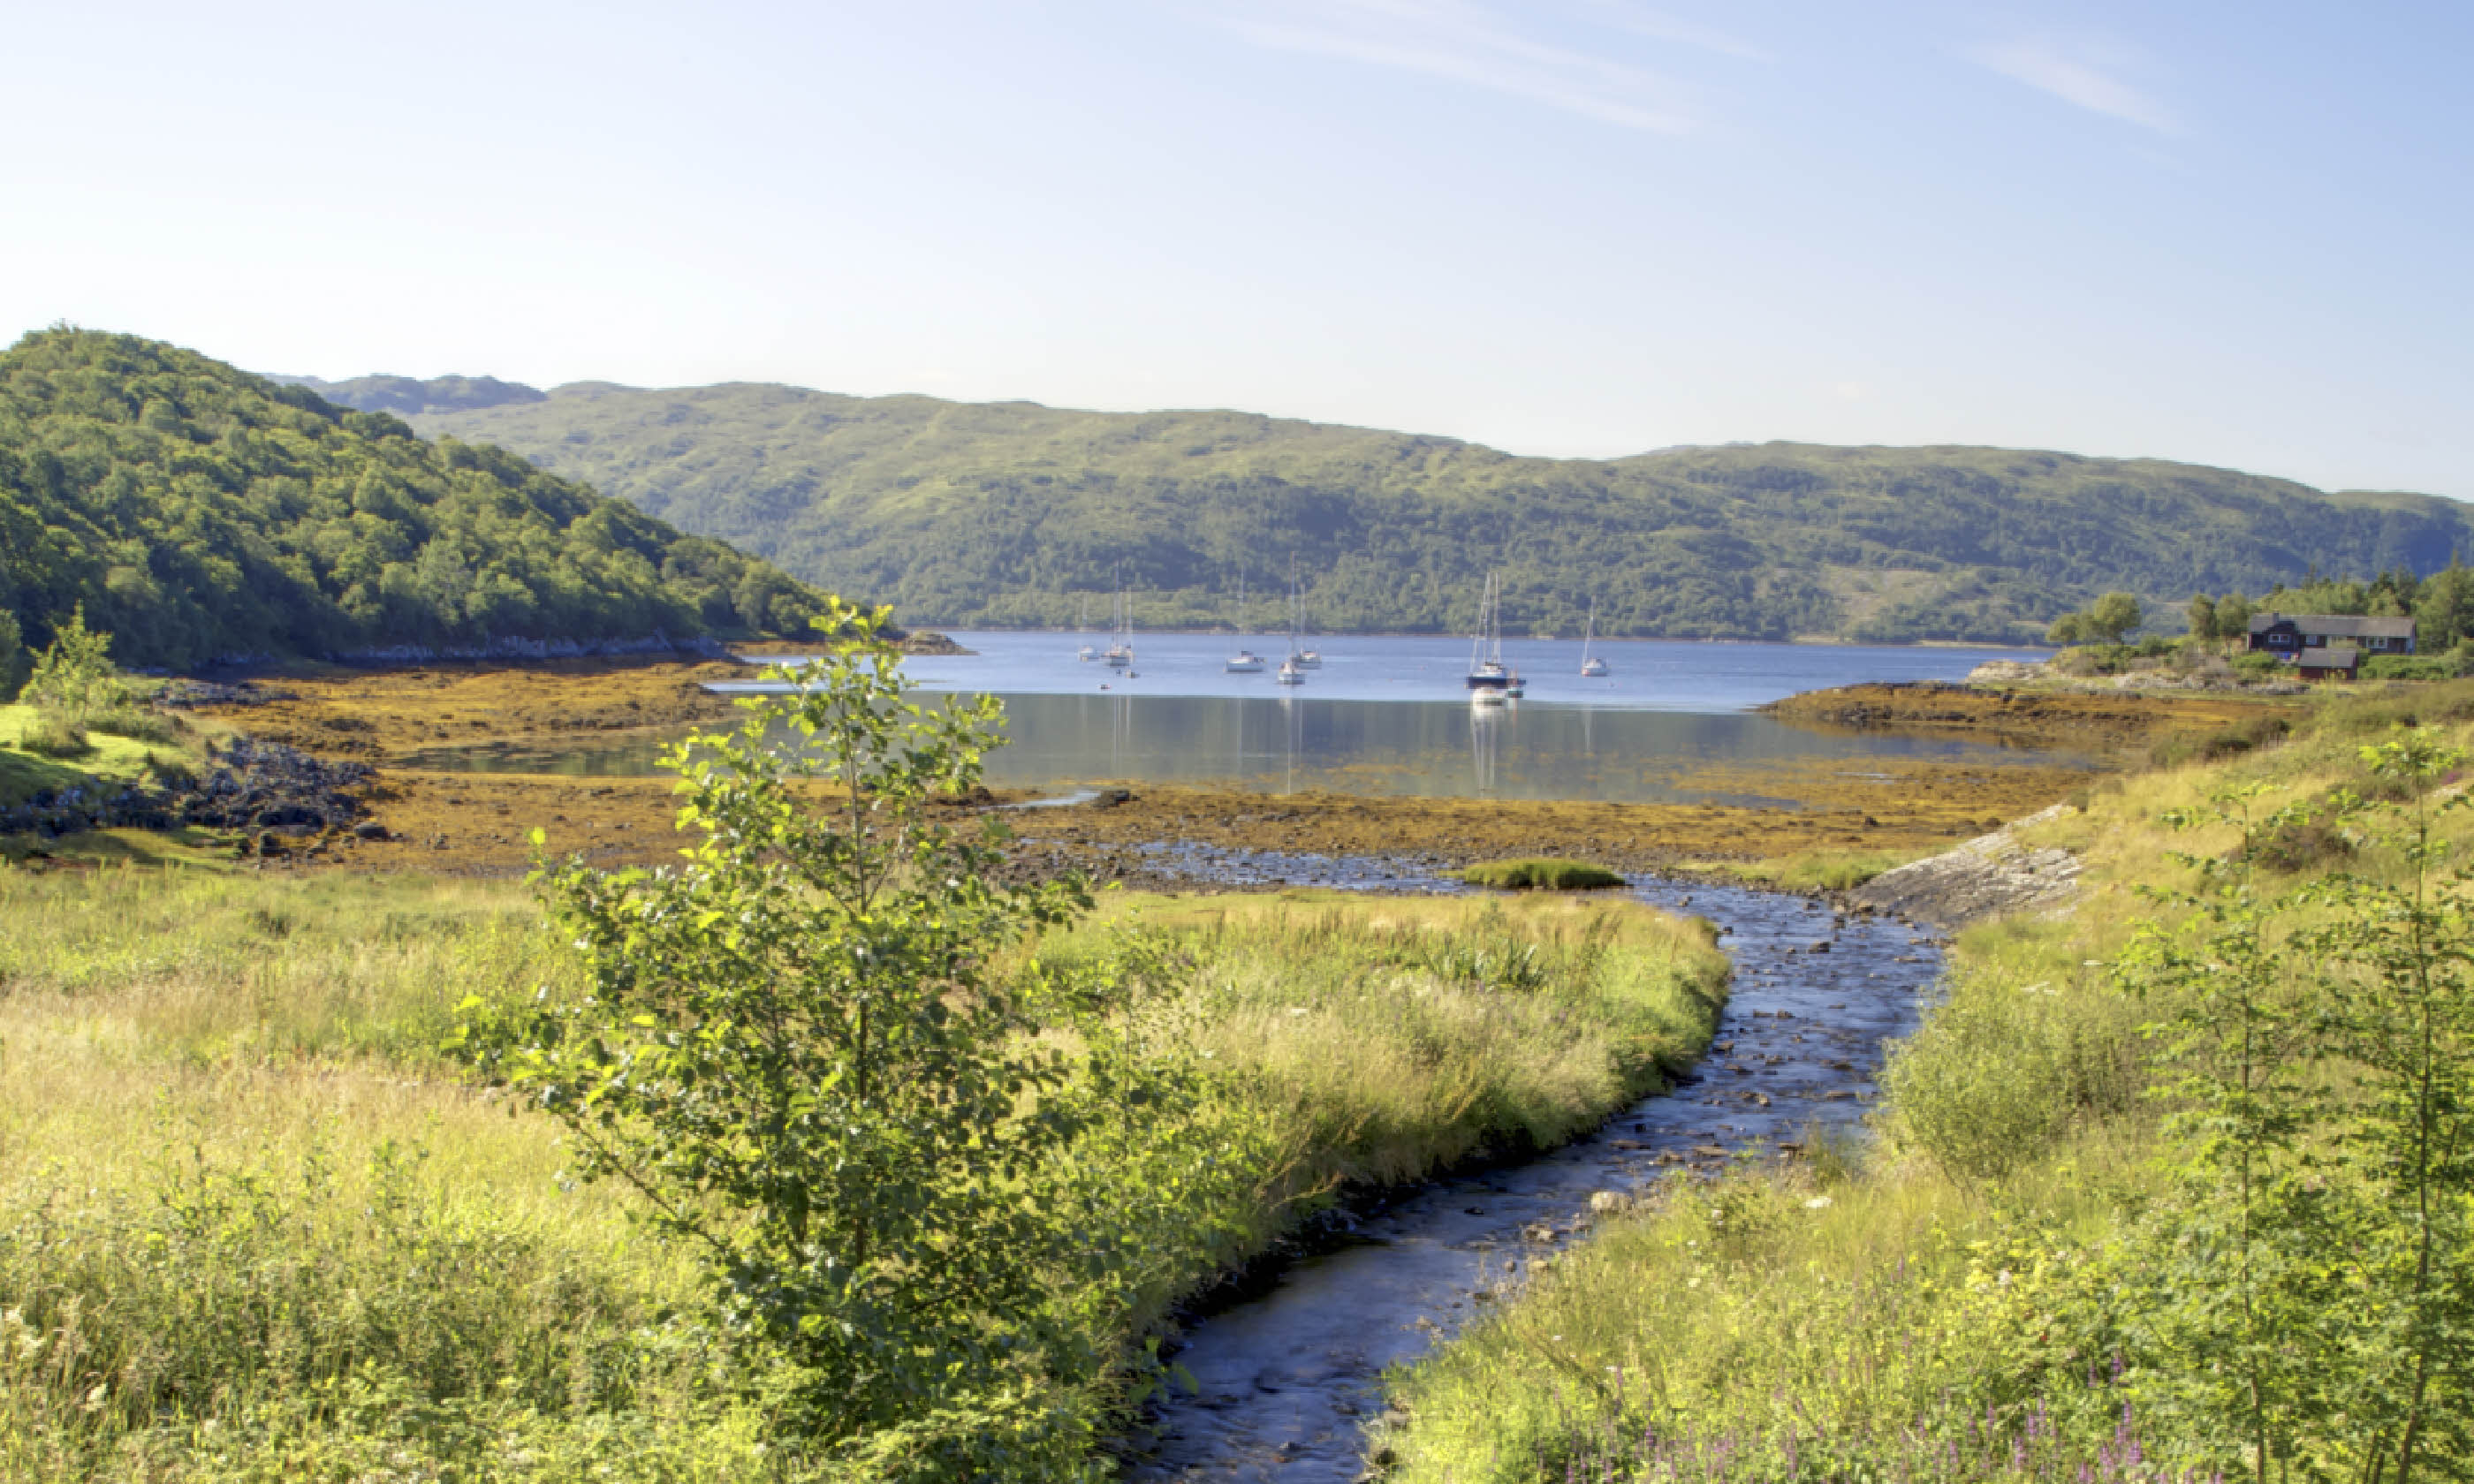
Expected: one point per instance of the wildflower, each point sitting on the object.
(1817, 1202)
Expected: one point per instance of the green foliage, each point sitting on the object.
(196, 511)
(2308, 1291)
(794, 1051)
(1011, 515)
(1538, 873)
(13, 657)
(52, 734)
(2446, 665)
(2108, 620)
(74, 677)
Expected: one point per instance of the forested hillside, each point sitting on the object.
(1007, 513)
(198, 511)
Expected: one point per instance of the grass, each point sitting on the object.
(1535, 873)
(1817, 870)
(254, 1224)
(1930, 1314)
(107, 758)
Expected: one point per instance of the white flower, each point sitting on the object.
(1817, 1202)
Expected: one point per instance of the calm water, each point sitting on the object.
(1386, 716)
(1651, 675)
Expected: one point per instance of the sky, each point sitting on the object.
(2228, 233)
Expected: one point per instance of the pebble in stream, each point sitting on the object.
(1287, 1379)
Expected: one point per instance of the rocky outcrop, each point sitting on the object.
(1991, 875)
(927, 641)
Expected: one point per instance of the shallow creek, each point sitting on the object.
(1289, 1377)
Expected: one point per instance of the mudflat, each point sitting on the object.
(481, 823)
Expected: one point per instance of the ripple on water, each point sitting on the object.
(1285, 1380)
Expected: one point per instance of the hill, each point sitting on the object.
(1010, 512)
(199, 511)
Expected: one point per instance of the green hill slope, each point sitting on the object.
(1007, 513)
(198, 511)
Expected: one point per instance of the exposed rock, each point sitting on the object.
(928, 641)
(1988, 876)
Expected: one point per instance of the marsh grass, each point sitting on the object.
(1395, 1037)
(1538, 873)
(1820, 870)
(254, 1224)
(40, 750)
(1950, 1307)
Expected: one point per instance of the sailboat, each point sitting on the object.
(1591, 666)
(1292, 670)
(1245, 662)
(1488, 678)
(1308, 658)
(1120, 653)
(1083, 624)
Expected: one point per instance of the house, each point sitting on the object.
(2290, 636)
(2330, 663)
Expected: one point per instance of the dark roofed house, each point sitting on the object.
(2293, 636)
(2330, 663)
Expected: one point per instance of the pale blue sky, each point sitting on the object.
(2233, 234)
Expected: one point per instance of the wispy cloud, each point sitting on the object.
(1470, 44)
(2081, 73)
(1664, 26)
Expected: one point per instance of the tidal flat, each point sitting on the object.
(480, 821)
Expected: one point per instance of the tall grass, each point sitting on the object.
(253, 1224)
(1954, 1309)
(1540, 873)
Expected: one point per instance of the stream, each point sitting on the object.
(1288, 1378)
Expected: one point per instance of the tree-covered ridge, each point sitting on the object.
(1009, 513)
(198, 511)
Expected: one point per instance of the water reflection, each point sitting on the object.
(1290, 742)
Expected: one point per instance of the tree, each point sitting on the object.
(2444, 611)
(2203, 616)
(2111, 617)
(12, 655)
(796, 1052)
(2065, 629)
(2233, 616)
(74, 677)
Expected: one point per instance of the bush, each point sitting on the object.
(136, 725)
(50, 734)
(2411, 667)
(2225, 742)
(1541, 875)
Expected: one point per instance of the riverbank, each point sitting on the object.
(255, 1170)
(2032, 1275)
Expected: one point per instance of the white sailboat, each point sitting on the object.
(1083, 624)
(1591, 666)
(1488, 681)
(1292, 670)
(1245, 662)
(1120, 653)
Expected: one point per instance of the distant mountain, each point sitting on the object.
(408, 396)
(197, 510)
(1014, 513)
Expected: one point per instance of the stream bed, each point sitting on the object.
(1288, 1378)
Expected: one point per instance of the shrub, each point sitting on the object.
(12, 655)
(136, 725)
(2241, 736)
(51, 735)
(2411, 667)
(1541, 876)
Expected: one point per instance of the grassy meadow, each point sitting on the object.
(256, 1224)
(2029, 1273)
